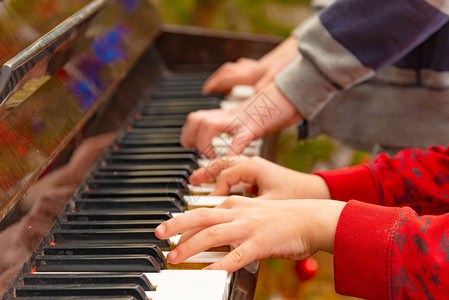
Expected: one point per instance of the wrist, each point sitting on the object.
(285, 52)
(268, 111)
(327, 216)
(317, 187)
(287, 114)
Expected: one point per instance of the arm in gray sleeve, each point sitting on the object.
(349, 41)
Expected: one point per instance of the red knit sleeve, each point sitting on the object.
(351, 183)
(415, 177)
(391, 253)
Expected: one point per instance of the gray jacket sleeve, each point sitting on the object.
(349, 41)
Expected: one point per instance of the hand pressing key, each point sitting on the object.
(256, 229)
(272, 181)
(258, 73)
(266, 112)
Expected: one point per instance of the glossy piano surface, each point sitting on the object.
(53, 114)
(83, 84)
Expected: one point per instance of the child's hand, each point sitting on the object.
(257, 73)
(257, 229)
(272, 181)
(266, 112)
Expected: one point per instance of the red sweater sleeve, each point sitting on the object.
(391, 253)
(415, 177)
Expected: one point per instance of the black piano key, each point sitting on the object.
(148, 143)
(174, 113)
(169, 108)
(158, 113)
(143, 142)
(151, 194)
(146, 194)
(185, 77)
(110, 224)
(132, 290)
(168, 84)
(89, 279)
(177, 87)
(96, 263)
(159, 117)
(152, 182)
(98, 249)
(127, 150)
(155, 203)
(113, 167)
(136, 143)
(200, 103)
(141, 174)
(177, 94)
(162, 115)
(76, 298)
(108, 236)
(156, 159)
(179, 102)
(160, 123)
(150, 136)
(154, 130)
(118, 215)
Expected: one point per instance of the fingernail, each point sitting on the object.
(161, 229)
(172, 255)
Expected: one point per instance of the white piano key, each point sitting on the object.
(204, 188)
(226, 140)
(186, 295)
(221, 146)
(237, 95)
(203, 257)
(174, 240)
(207, 188)
(182, 284)
(230, 104)
(190, 275)
(250, 151)
(242, 91)
(214, 284)
(204, 162)
(222, 143)
(205, 200)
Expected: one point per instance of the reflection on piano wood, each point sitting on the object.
(102, 244)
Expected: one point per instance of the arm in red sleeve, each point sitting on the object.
(416, 178)
(391, 253)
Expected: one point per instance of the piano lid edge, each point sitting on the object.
(15, 70)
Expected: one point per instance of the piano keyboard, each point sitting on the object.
(104, 246)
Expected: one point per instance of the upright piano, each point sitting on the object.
(93, 94)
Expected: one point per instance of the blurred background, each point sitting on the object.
(278, 279)
(276, 17)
